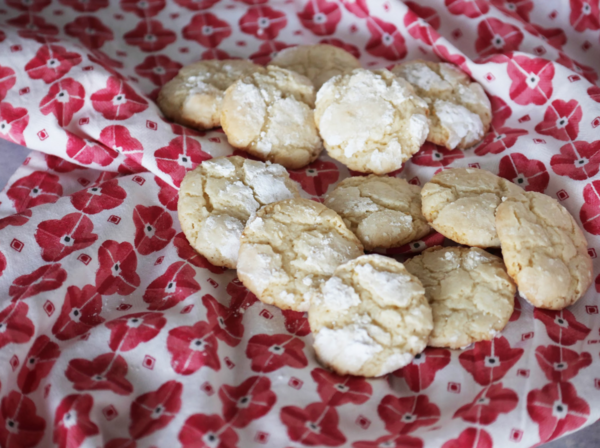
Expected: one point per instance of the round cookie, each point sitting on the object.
(270, 115)
(470, 293)
(544, 249)
(382, 211)
(319, 63)
(460, 111)
(217, 198)
(371, 121)
(370, 318)
(194, 97)
(290, 248)
(461, 203)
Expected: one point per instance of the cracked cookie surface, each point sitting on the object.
(270, 115)
(370, 318)
(544, 249)
(382, 211)
(460, 111)
(461, 203)
(289, 248)
(217, 198)
(469, 291)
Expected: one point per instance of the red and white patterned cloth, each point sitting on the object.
(114, 333)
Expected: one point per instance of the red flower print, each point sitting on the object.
(429, 15)
(105, 372)
(182, 154)
(158, 68)
(531, 80)
(59, 164)
(33, 27)
(495, 36)
(2, 37)
(529, 174)
(587, 72)
(121, 443)
(37, 364)
(226, 323)
(316, 424)
(433, 155)
(192, 347)
(51, 62)
(16, 220)
(498, 140)
(98, 198)
(7, 80)
(118, 100)
(357, 7)
(264, 22)
(129, 166)
(35, 189)
(404, 415)
(421, 372)
(578, 160)
(32, 6)
(150, 35)
(80, 312)
(154, 228)
(249, 401)
(174, 286)
(560, 363)
(87, 151)
(168, 196)
(143, 8)
(488, 404)
(562, 327)
(386, 41)
(471, 438)
(488, 361)
(336, 390)
(391, 441)
(15, 326)
(456, 59)
(352, 49)
(85, 5)
(60, 237)
(129, 331)
(316, 178)
(2, 263)
(197, 5)
(267, 51)
(590, 211)
(46, 278)
(187, 253)
(433, 239)
(557, 409)
(13, 121)
(207, 431)
(561, 120)
(321, 17)
(469, 8)
(90, 31)
(20, 426)
(271, 352)
(100, 58)
(421, 23)
(64, 98)
(241, 297)
(118, 138)
(72, 424)
(117, 271)
(584, 15)
(555, 37)
(594, 93)
(500, 111)
(153, 411)
(207, 29)
(296, 322)
(515, 8)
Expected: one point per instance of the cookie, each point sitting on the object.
(270, 115)
(217, 198)
(370, 318)
(371, 121)
(319, 63)
(290, 248)
(382, 212)
(470, 293)
(460, 111)
(544, 249)
(461, 203)
(194, 97)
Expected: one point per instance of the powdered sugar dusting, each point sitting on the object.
(422, 76)
(337, 296)
(388, 288)
(224, 233)
(349, 348)
(219, 167)
(459, 121)
(267, 181)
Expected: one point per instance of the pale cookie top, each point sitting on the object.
(371, 121)
(470, 293)
(461, 203)
(217, 198)
(382, 211)
(370, 318)
(544, 249)
(460, 111)
(290, 248)
(270, 115)
(318, 63)
(194, 96)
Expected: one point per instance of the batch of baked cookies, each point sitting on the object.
(369, 314)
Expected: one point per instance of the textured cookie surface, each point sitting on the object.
(217, 198)
(461, 204)
(290, 248)
(371, 121)
(319, 63)
(460, 111)
(370, 318)
(544, 249)
(470, 293)
(382, 211)
(194, 97)
(270, 115)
